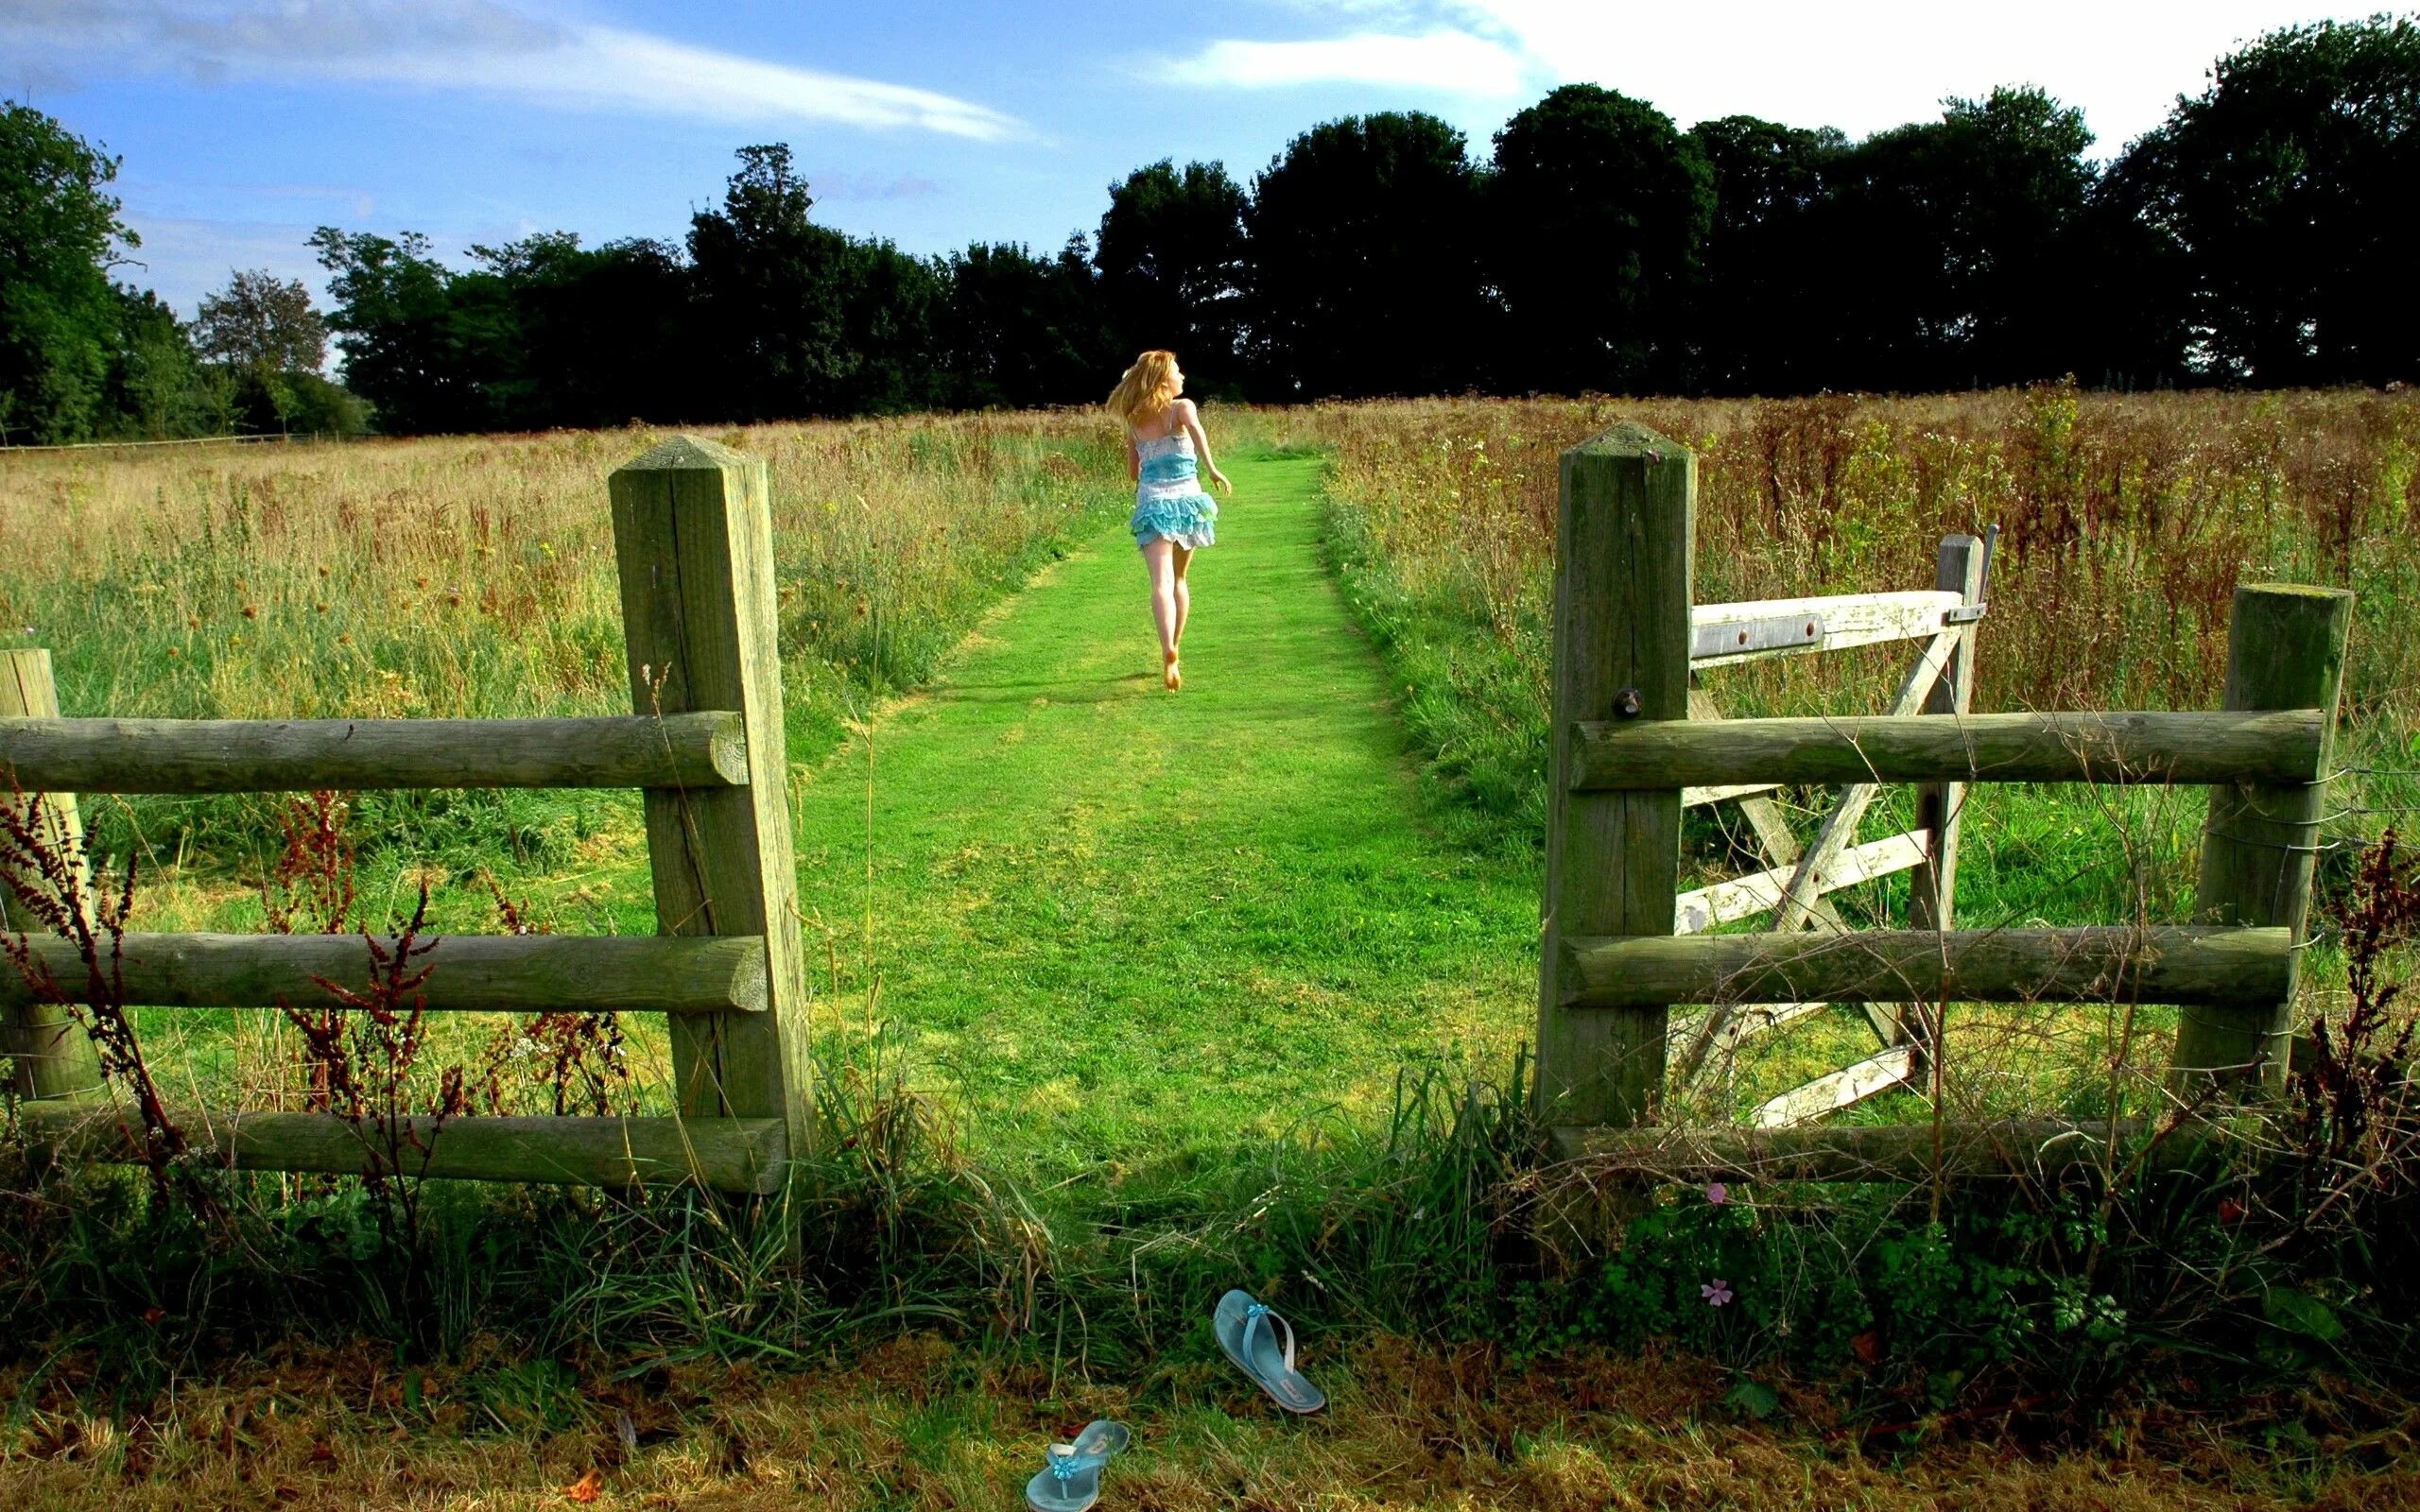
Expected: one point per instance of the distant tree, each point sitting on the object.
(394, 317)
(263, 323)
(1755, 326)
(2289, 187)
(1599, 211)
(158, 386)
(1364, 240)
(1172, 263)
(1951, 247)
(802, 319)
(1021, 330)
(60, 317)
(592, 336)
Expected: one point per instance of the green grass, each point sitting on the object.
(1121, 928)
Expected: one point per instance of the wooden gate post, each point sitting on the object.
(1626, 541)
(2285, 650)
(692, 536)
(53, 1056)
(1932, 894)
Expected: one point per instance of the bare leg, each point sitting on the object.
(1184, 594)
(1159, 561)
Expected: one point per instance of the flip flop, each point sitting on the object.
(1070, 1481)
(1248, 1332)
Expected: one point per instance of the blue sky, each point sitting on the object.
(245, 123)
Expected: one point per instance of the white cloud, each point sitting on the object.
(1446, 60)
(1863, 65)
(484, 46)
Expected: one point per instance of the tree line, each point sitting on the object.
(2260, 235)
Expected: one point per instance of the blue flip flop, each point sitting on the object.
(1070, 1481)
(1248, 1331)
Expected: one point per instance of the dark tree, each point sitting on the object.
(596, 335)
(1949, 247)
(1598, 210)
(1021, 330)
(1365, 267)
(263, 323)
(405, 347)
(61, 319)
(2288, 186)
(1172, 264)
(800, 318)
(1756, 326)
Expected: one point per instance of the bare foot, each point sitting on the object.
(1174, 679)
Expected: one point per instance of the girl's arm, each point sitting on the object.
(1191, 415)
(1133, 460)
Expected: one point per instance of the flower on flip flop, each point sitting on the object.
(1717, 1193)
(1716, 1292)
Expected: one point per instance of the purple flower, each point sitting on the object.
(1717, 1193)
(1716, 1292)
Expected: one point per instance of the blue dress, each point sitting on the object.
(1169, 501)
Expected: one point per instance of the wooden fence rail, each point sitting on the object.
(693, 543)
(353, 755)
(1634, 744)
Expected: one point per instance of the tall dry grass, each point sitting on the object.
(474, 576)
(2128, 521)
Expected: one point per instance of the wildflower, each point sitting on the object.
(1716, 1292)
(252, 611)
(2229, 1209)
(1717, 1193)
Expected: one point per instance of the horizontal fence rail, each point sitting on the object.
(2187, 964)
(2229, 746)
(686, 750)
(1901, 1152)
(470, 973)
(1723, 634)
(728, 1154)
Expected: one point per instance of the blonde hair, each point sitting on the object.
(1147, 388)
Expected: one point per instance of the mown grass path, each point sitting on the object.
(1119, 926)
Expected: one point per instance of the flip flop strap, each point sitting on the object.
(1065, 1468)
(1260, 1314)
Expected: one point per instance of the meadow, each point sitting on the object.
(1121, 999)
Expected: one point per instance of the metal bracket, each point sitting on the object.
(1962, 615)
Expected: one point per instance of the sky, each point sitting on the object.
(244, 124)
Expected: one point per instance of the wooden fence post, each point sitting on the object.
(692, 536)
(2285, 650)
(53, 1058)
(1932, 894)
(1626, 542)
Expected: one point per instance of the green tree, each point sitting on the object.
(394, 319)
(263, 333)
(2289, 188)
(1950, 247)
(1021, 330)
(1365, 240)
(1172, 255)
(1600, 210)
(802, 319)
(61, 317)
(1755, 326)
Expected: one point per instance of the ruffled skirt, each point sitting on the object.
(1186, 519)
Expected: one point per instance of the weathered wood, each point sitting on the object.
(1626, 539)
(1833, 1090)
(2280, 747)
(53, 1056)
(1716, 1028)
(1698, 798)
(469, 974)
(1839, 832)
(50, 755)
(2099, 963)
(1738, 1022)
(1892, 1151)
(1845, 620)
(1940, 806)
(2285, 650)
(1727, 903)
(692, 539)
(728, 1154)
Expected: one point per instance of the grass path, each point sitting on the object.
(1119, 926)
